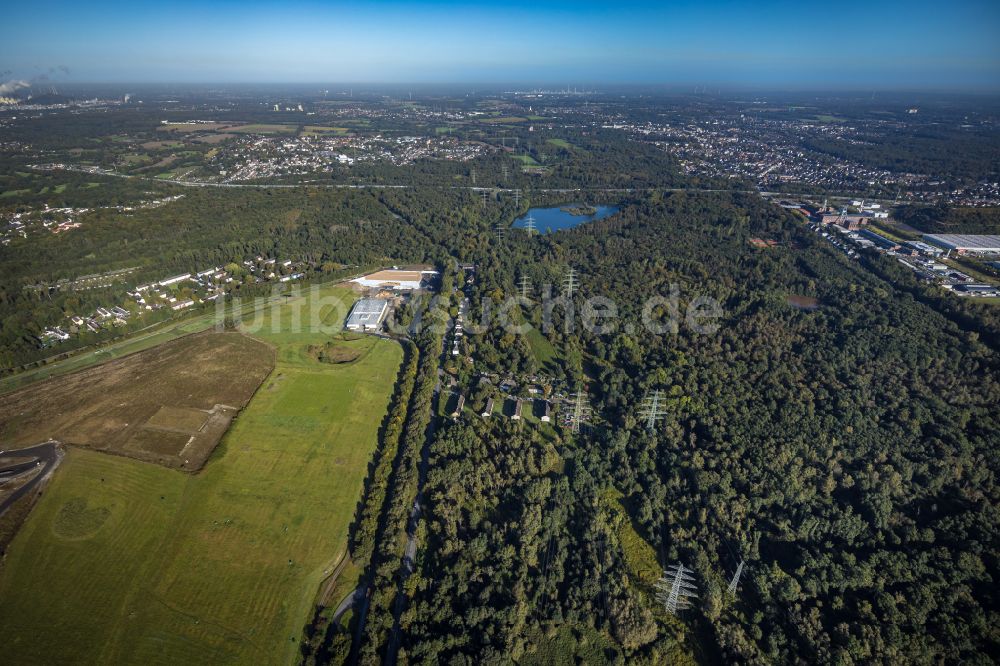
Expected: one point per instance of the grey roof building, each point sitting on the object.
(367, 314)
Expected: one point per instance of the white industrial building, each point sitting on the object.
(397, 280)
(367, 314)
(966, 243)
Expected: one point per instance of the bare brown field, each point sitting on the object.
(192, 127)
(213, 138)
(170, 404)
(157, 145)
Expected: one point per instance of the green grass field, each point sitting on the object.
(561, 143)
(526, 159)
(123, 561)
(545, 353)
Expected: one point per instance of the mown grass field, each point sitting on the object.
(123, 561)
(545, 353)
(561, 143)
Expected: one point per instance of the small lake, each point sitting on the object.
(565, 216)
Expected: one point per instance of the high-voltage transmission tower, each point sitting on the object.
(473, 176)
(485, 195)
(579, 411)
(652, 409)
(570, 283)
(517, 199)
(735, 582)
(500, 230)
(525, 286)
(675, 588)
(506, 171)
(529, 225)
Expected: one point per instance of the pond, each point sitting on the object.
(565, 216)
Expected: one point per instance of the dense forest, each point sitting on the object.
(845, 453)
(837, 433)
(949, 220)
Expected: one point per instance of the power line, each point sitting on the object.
(735, 582)
(529, 225)
(652, 409)
(580, 411)
(570, 283)
(675, 587)
(525, 286)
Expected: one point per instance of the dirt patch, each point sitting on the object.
(178, 418)
(331, 352)
(76, 520)
(169, 405)
(802, 302)
(213, 138)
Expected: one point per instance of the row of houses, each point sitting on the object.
(101, 318)
(201, 286)
(544, 411)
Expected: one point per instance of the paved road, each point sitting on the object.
(410, 552)
(45, 454)
(384, 186)
(349, 601)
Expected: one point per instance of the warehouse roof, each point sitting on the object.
(975, 242)
(367, 312)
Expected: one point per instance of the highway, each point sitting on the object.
(383, 186)
(41, 454)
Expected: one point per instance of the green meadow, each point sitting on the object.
(127, 562)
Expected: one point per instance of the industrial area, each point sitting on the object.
(964, 264)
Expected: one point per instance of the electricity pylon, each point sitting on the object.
(569, 283)
(525, 286)
(652, 409)
(517, 199)
(735, 582)
(506, 172)
(580, 410)
(473, 176)
(484, 194)
(529, 225)
(500, 229)
(675, 588)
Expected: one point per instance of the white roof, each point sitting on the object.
(366, 312)
(980, 242)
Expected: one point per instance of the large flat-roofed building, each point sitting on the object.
(966, 243)
(924, 248)
(367, 314)
(851, 221)
(879, 240)
(397, 280)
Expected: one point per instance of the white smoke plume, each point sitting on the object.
(13, 85)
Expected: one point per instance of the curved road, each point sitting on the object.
(41, 454)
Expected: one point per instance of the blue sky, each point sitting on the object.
(910, 45)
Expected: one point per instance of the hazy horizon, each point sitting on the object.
(919, 46)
